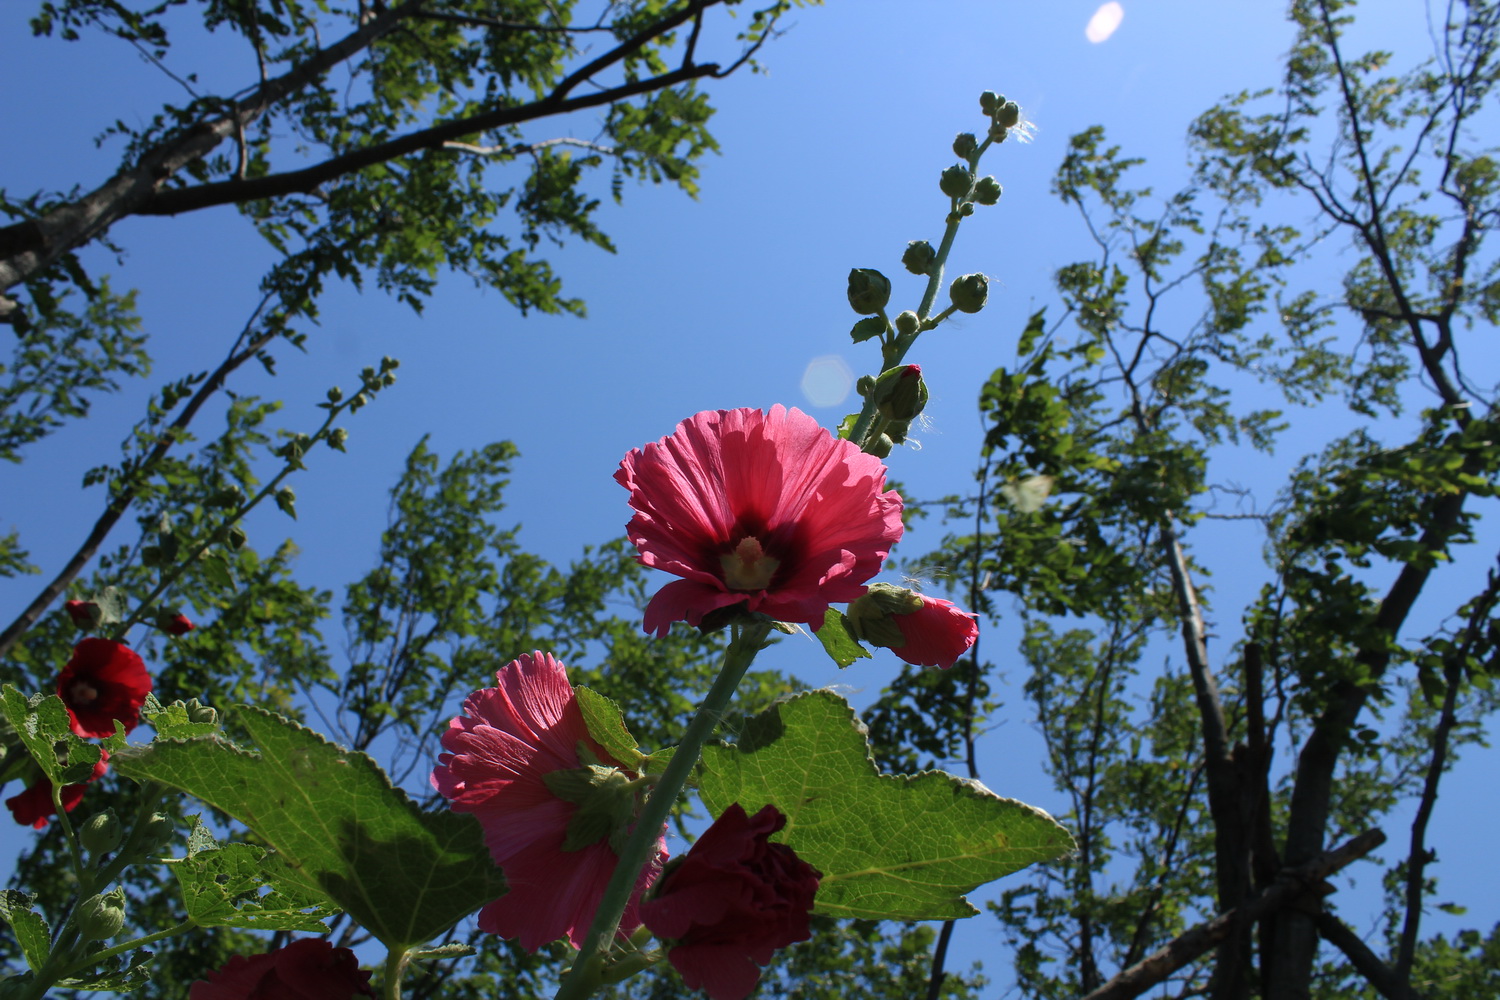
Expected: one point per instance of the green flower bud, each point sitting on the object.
(870, 615)
(201, 713)
(1010, 114)
(900, 393)
(956, 180)
(158, 833)
(335, 394)
(865, 385)
(907, 323)
(337, 437)
(102, 833)
(987, 191)
(919, 257)
(969, 292)
(101, 917)
(964, 145)
(881, 448)
(869, 290)
(989, 101)
(896, 430)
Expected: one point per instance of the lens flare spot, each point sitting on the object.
(827, 381)
(1104, 22)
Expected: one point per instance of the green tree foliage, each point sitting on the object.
(1201, 757)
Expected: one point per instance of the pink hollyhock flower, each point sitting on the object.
(513, 756)
(768, 510)
(306, 969)
(104, 681)
(731, 901)
(926, 631)
(33, 806)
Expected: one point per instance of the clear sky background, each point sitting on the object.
(830, 161)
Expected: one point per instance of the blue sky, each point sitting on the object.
(830, 161)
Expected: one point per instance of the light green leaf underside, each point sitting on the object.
(333, 816)
(890, 847)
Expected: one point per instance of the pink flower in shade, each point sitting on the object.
(731, 901)
(500, 754)
(764, 509)
(104, 681)
(33, 806)
(306, 969)
(936, 634)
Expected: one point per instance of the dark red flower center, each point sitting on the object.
(82, 694)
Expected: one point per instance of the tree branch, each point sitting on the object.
(1289, 887)
(1368, 964)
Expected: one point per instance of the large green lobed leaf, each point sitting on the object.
(890, 847)
(333, 816)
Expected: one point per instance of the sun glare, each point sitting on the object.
(1104, 22)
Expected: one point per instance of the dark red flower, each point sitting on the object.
(306, 969)
(33, 806)
(731, 901)
(104, 681)
(768, 510)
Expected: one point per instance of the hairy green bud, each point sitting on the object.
(989, 101)
(907, 323)
(865, 385)
(956, 180)
(987, 191)
(964, 145)
(337, 437)
(101, 917)
(1009, 115)
(969, 292)
(158, 833)
(102, 833)
(869, 290)
(201, 713)
(919, 257)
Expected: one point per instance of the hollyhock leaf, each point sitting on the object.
(872, 326)
(404, 874)
(222, 887)
(607, 725)
(890, 847)
(846, 426)
(41, 723)
(30, 927)
(216, 570)
(113, 608)
(838, 642)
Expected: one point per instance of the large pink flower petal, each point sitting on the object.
(814, 504)
(936, 634)
(497, 757)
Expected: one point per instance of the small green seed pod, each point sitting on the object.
(969, 292)
(987, 191)
(956, 180)
(869, 290)
(919, 257)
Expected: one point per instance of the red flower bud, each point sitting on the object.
(85, 614)
(730, 902)
(174, 622)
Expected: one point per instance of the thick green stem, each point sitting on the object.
(587, 974)
(395, 966)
